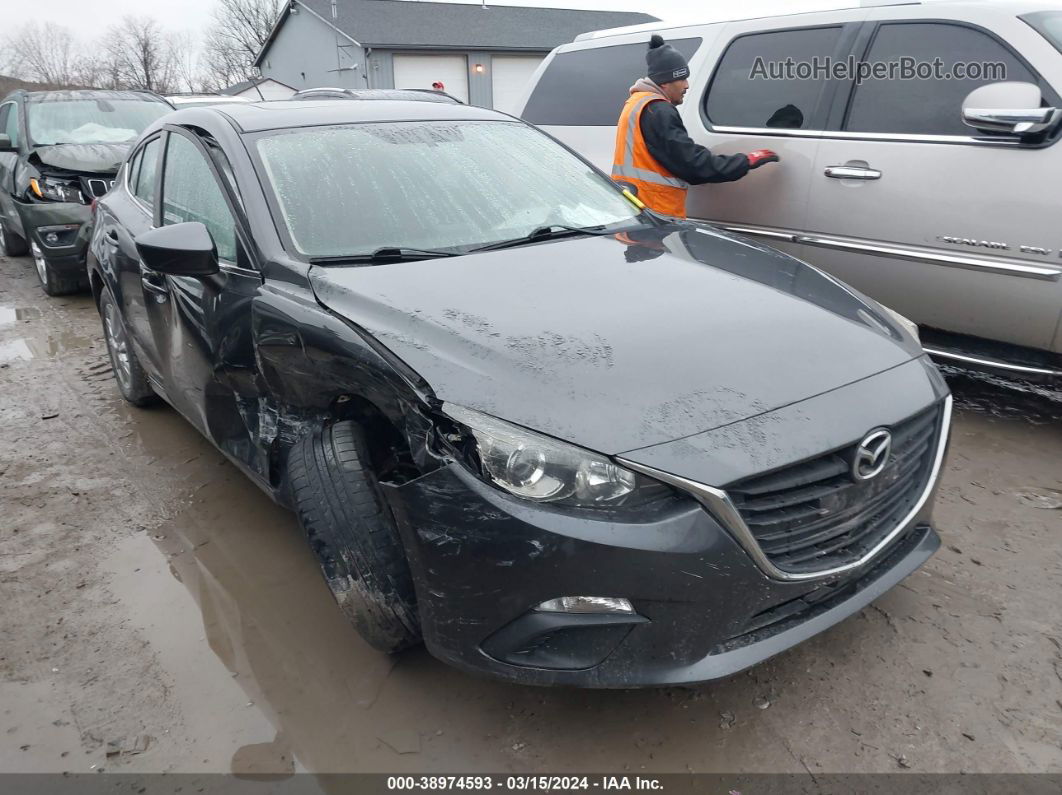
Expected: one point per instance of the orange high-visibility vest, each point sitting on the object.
(657, 187)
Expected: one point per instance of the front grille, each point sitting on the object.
(95, 187)
(815, 516)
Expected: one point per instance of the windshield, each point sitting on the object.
(430, 185)
(90, 121)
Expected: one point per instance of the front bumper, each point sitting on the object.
(482, 560)
(72, 225)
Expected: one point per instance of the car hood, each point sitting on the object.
(101, 158)
(617, 346)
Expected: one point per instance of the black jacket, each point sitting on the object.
(667, 140)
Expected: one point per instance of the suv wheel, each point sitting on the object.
(131, 378)
(11, 245)
(52, 282)
(353, 535)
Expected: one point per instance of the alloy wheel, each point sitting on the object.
(38, 260)
(118, 345)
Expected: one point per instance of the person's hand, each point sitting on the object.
(761, 156)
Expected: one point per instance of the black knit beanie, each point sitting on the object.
(666, 64)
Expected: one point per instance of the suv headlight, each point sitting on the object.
(541, 469)
(56, 190)
(908, 325)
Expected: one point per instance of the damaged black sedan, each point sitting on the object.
(59, 151)
(558, 439)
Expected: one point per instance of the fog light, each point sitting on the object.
(51, 238)
(586, 604)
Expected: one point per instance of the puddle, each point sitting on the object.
(1000, 397)
(10, 315)
(15, 350)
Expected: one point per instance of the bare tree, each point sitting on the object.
(240, 29)
(49, 53)
(138, 54)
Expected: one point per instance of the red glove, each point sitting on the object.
(761, 156)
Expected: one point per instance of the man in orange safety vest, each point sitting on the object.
(653, 150)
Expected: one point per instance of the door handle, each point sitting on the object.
(852, 172)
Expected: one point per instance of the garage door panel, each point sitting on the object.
(420, 71)
(510, 77)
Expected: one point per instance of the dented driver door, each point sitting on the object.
(202, 326)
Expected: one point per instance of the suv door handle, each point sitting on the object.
(852, 172)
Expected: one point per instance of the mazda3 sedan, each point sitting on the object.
(555, 437)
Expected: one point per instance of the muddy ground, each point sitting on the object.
(159, 613)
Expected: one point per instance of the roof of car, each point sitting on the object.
(79, 94)
(281, 114)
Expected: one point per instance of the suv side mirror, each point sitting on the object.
(5, 144)
(1009, 107)
(180, 250)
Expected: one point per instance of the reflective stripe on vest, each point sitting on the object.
(633, 161)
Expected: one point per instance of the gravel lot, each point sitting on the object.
(159, 613)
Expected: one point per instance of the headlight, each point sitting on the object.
(908, 325)
(56, 190)
(542, 469)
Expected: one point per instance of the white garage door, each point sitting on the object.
(510, 78)
(420, 71)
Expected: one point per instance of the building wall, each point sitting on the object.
(304, 55)
(270, 90)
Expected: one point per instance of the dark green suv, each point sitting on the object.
(60, 150)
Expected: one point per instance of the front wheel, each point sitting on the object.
(11, 245)
(353, 535)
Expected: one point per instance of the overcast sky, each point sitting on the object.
(90, 18)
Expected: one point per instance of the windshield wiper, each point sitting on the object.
(551, 232)
(385, 254)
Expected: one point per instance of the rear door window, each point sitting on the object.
(587, 88)
(930, 105)
(753, 85)
(145, 174)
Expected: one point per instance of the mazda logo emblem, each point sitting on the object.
(872, 455)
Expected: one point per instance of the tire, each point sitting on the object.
(354, 536)
(132, 380)
(11, 245)
(52, 282)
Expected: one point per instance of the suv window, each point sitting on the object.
(741, 96)
(191, 193)
(587, 88)
(9, 121)
(930, 106)
(145, 174)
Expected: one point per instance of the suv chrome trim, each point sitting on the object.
(718, 503)
(899, 251)
(981, 361)
(783, 132)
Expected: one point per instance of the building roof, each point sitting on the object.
(243, 85)
(422, 25)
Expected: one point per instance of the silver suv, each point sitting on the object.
(933, 193)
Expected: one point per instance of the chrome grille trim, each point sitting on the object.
(719, 505)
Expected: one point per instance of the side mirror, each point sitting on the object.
(180, 250)
(1009, 107)
(5, 144)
